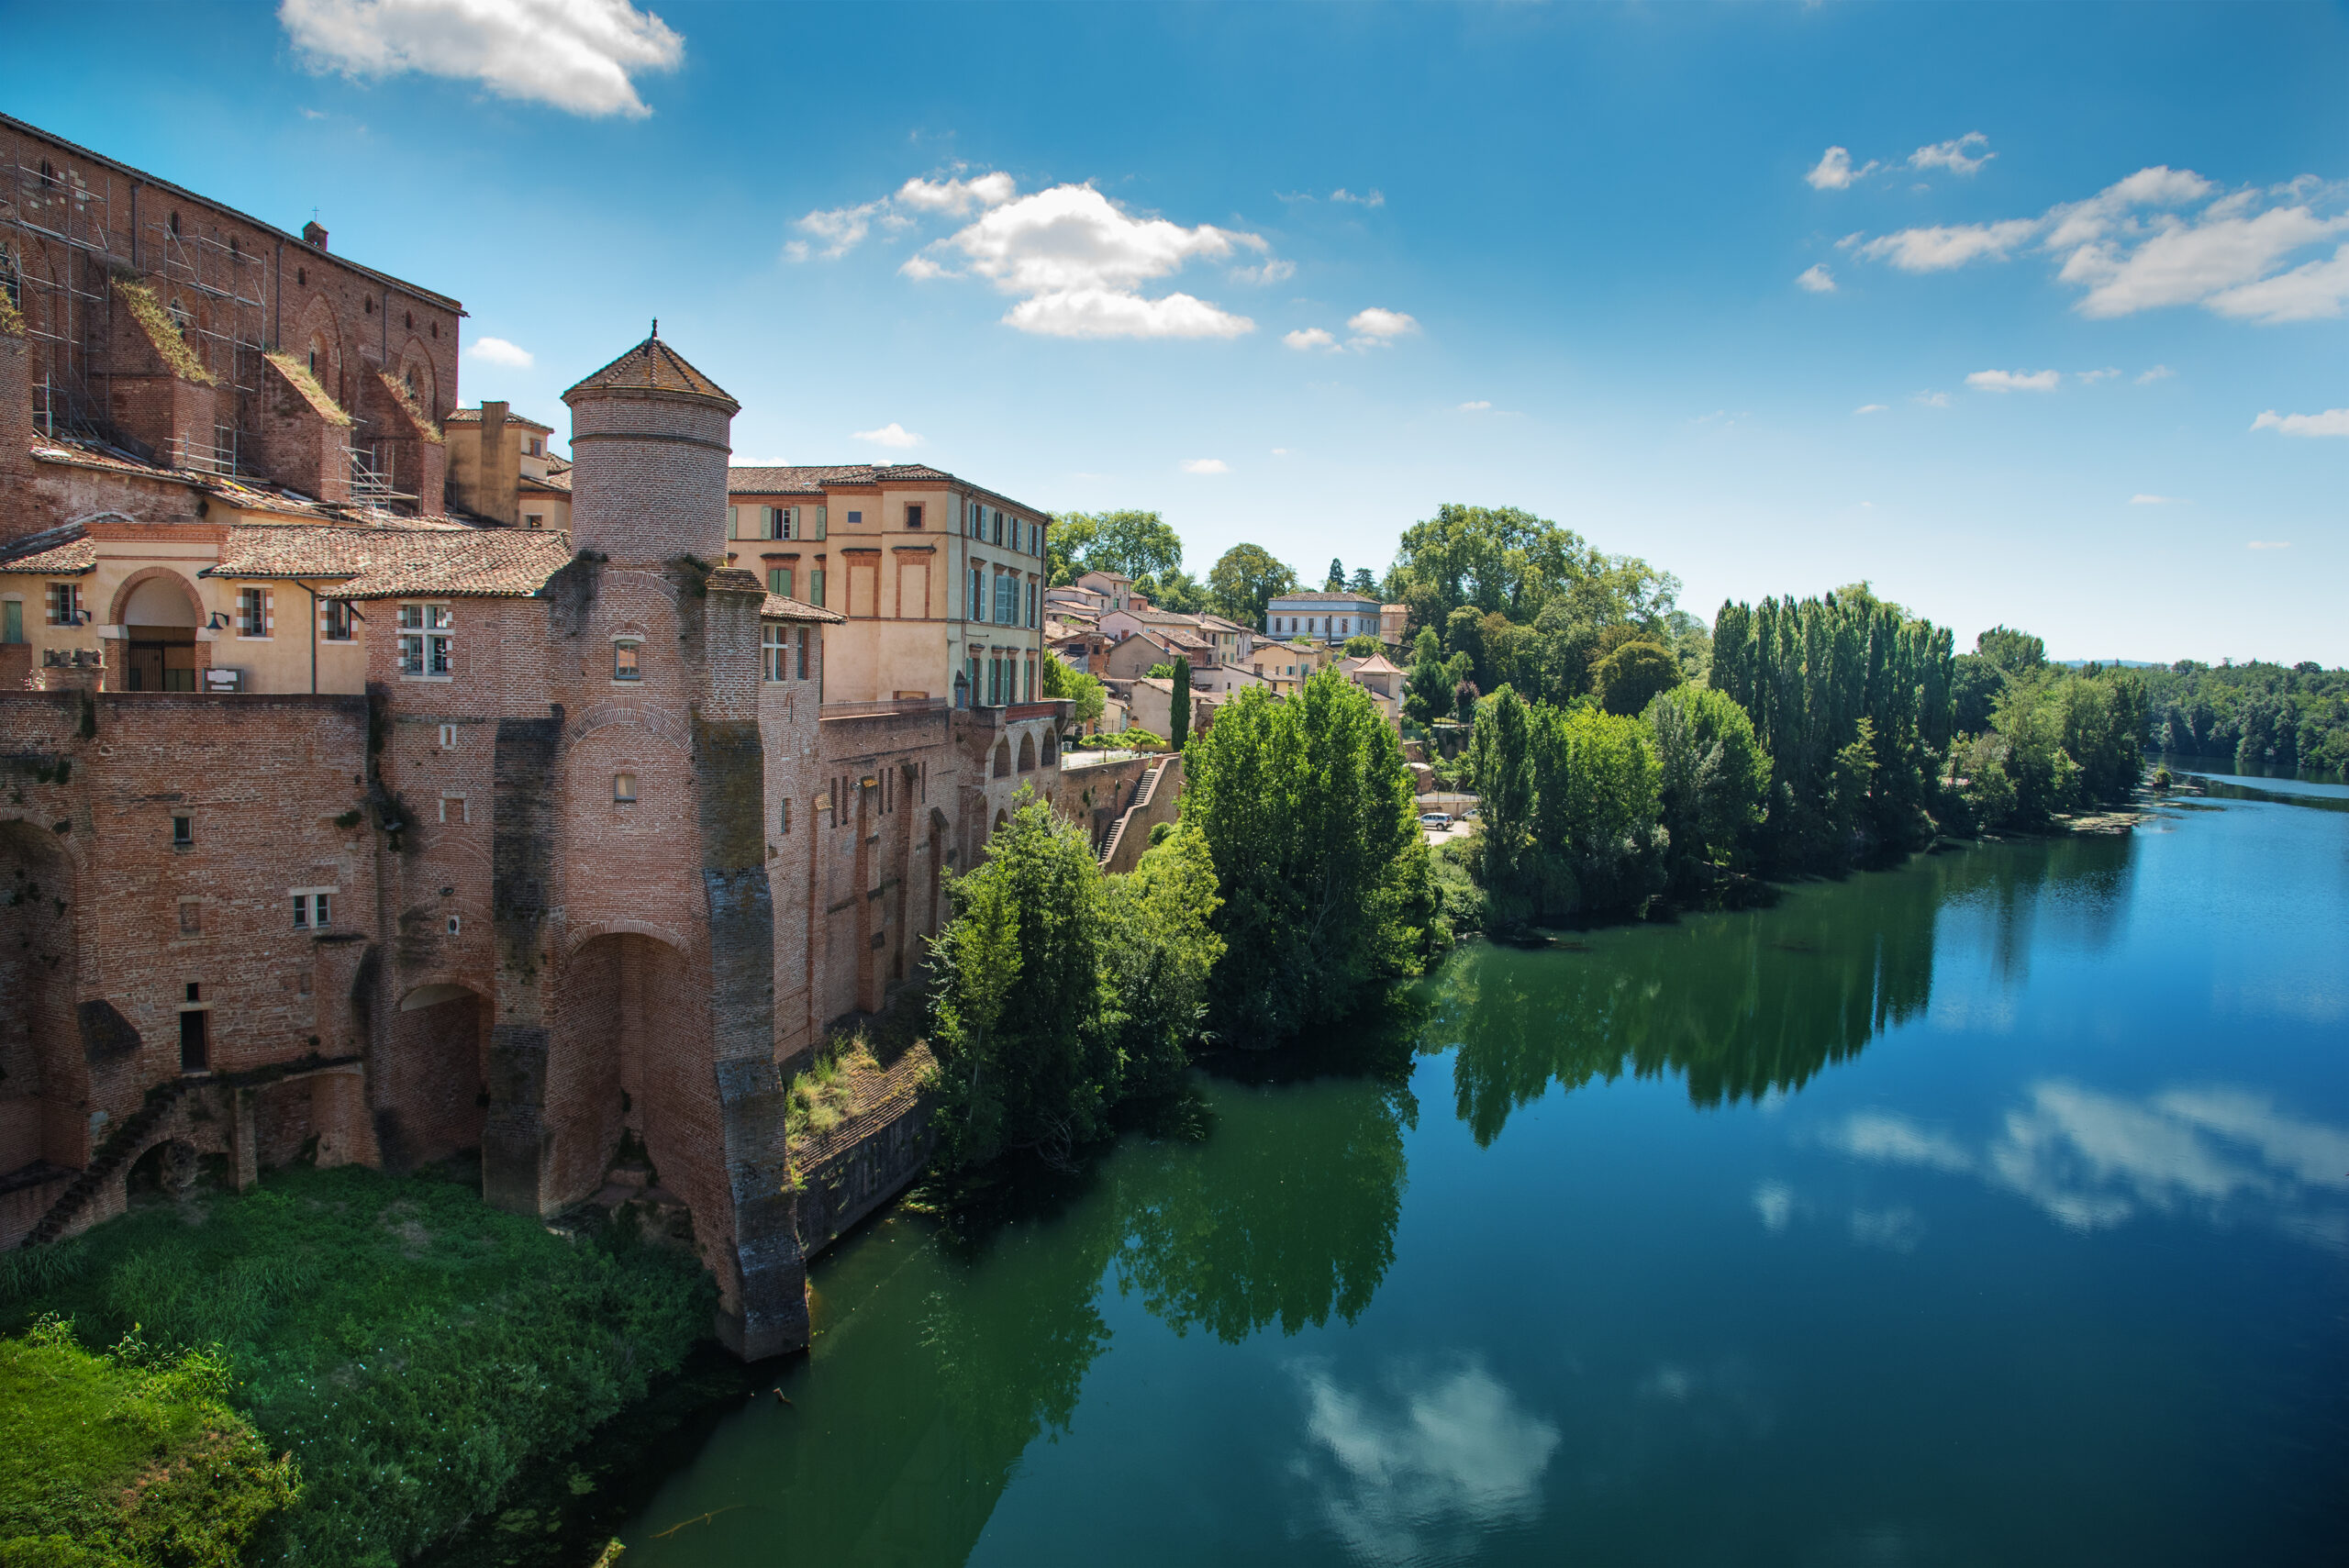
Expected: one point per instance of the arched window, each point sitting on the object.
(1027, 753)
(1051, 747)
(1003, 758)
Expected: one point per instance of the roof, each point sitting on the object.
(781, 606)
(1220, 623)
(141, 174)
(814, 479)
(472, 417)
(55, 552)
(246, 494)
(1159, 617)
(414, 557)
(1376, 664)
(1317, 595)
(1112, 576)
(652, 365)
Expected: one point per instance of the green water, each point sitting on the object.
(1992, 1210)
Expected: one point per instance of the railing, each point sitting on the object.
(882, 708)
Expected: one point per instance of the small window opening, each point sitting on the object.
(191, 917)
(624, 662)
(623, 789)
(302, 277)
(448, 738)
(175, 223)
(183, 833)
(196, 1050)
(454, 921)
(370, 304)
(784, 823)
(913, 516)
(455, 808)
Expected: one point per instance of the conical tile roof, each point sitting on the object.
(653, 366)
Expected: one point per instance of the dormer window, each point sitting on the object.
(624, 666)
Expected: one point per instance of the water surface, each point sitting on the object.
(1990, 1210)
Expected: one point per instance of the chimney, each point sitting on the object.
(315, 235)
(499, 487)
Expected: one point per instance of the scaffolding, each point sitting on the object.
(64, 237)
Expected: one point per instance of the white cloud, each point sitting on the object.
(498, 351)
(2159, 372)
(1937, 250)
(956, 198)
(1078, 259)
(1205, 465)
(1774, 1202)
(889, 434)
(1869, 408)
(2144, 500)
(2092, 377)
(579, 55)
(1958, 157)
(1816, 278)
(1933, 399)
(1382, 325)
(2331, 422)
(1834, 172)
(2269, 544)
(1478, 407)
(1375, 198)
(839, 230)
(1280, 451)
(2130, 248)
(1273, 272)
(2014, 381)
(1309, 337)
(1430, 1463)
(1894, 1229)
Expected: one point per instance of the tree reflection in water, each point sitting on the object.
(1744, 1004)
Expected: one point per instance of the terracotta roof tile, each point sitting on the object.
(409, 559)
(779, 608)
(813, 479)
(56, 553)
(472, 417)
(655, 365)
(1317, 594)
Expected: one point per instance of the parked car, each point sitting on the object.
(1434, 820)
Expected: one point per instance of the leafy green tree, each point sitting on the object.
(1134, 544)
(1430, 684)
(1362, 645)
(1712, 780)
(1245, 580)
(1595, 791)
(1975, 685)
(1306, 808)
(1632, 676)
(1336, 582)
(1025, 1061)
(1164, 672)
(1501, 755)
(1161, 951)
(1179, 707)
(1504, 561)
(2013, 652)
(1083, 687)
(1363, 583)
(1177, 591)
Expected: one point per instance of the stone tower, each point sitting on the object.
(649, 446)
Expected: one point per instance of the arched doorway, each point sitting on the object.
(629, 1071)
(44, 1065)
(160, 620)
(432, 1088)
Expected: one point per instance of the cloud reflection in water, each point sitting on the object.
(2091, 1160)
(1415, 1472)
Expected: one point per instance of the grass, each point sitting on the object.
(823, 1095)
(126, 1458)
(411, 1348)
(160, 330)
(294, 369)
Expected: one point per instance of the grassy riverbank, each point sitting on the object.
(410, 1348)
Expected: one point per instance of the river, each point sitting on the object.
(1994, 1209)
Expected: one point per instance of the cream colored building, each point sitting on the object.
(942, 582)
(502, 468)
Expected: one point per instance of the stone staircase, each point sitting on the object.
(1144, 792)
(111, 1156)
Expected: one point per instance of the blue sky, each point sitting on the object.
(1565, 271)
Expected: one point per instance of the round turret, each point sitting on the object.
(649, 440)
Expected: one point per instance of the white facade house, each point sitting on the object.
(1321, 617)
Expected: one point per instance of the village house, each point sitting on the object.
(502, 470)
(1322, 617)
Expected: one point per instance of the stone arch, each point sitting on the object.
(1027, 753)
(416, 373)
(145, 592)
(1001, 818)
(318, 344)
(628, 1059)
(168, 1168)
(1051, 747)
(432, 1084)
(1003, 758)
(44, 1065)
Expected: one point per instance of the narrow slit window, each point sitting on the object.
(183, 833)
